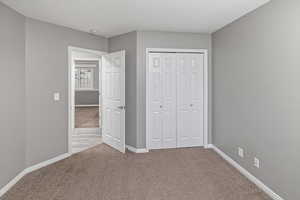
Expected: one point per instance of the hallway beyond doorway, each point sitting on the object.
(87, 117)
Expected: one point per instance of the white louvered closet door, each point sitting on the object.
(162, 69)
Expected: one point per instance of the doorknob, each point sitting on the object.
(160, 106)
(191, 105)
(121, 107)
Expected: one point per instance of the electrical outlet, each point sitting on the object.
(241, 152)
(256, 162)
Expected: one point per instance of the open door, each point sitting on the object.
(113, 104)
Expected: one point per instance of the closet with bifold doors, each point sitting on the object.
(175, 100)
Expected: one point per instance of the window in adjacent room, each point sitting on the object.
(84, 78)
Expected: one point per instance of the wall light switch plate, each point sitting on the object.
(241, 152)
(56, 96)
(256, 162)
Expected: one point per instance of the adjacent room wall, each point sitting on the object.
(162, 40)
(12, 101)
(46, 73)
(86, 97)
(128, 42)
(256, 96)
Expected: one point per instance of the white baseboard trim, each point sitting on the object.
(45, 163)
(208, 146)
(247, 174)
(4, 189)
(11, 183)
(135, 150)
(87, 105)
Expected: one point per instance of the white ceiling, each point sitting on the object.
(114, 17)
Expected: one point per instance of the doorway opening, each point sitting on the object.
(85, 99)
(96, 99)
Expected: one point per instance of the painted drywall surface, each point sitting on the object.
(86, 97)
(83, 55)
(46, 73)
(12, 101)
(256, 93)
(162, 40)
(128, 42)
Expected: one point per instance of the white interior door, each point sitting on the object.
(190, 96)
(162, 68)
(113, 105)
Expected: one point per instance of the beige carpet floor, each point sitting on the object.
(102, 173)
(87, 117)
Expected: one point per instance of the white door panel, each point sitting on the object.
(116, 125)
(113, 84)
(190, 100)
(155, 101)
(156, 130)
(169, 129)
(169, 100)
(162, 100)
(183, 82)
(183, 121)
(183, 97)
(197, 97)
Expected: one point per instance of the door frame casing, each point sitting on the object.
(205, 91)
(71, 89)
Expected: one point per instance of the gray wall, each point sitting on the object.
(86, 98)
(128, 42)
(46, 73)
(161, 40)
(12, 101)
(256, 98)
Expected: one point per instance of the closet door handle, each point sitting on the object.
(161, 106)
(191, 105)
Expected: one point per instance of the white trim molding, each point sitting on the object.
(86, 90)
(46, 163)
(247, 174)
(206, 88)
(4, 189)
(135, 150)
(87, 105)
(209, 146)
(11, 183)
